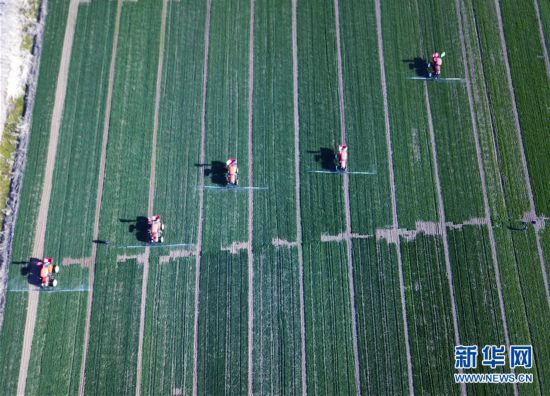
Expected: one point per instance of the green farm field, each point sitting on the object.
(302, 279)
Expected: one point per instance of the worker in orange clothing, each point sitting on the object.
(232, 171)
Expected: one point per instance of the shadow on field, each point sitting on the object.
(31, 270)
(325, 156)
(139, 226)
(216, 171)
(419, 65)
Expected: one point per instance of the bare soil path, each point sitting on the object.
(99, 197)
(349, 244)
(395, 220)
(477, 140)
(250, 199)
(504, 50)
(40, 230)
(201, 201)
(151, 203)
(297, 191)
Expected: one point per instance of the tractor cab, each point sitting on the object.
(156, 229)
(47, 272)
(342, 157)
(232, 171)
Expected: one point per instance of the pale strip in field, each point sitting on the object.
(175, 254)
(504, 50)
(297, 190)
(85, 262)
(201, 201)
(140, 258)
(349, 247)
(99, 197)
(151, 203)
(283, 243)
(40, 231)
(236, 247)
(250, 198)
(487, 208)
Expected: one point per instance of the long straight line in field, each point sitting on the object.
(151, 202)
(482, 175)
(441, 215)
(201, 201)
(297, 191)
(542, 39)
(395, 219)
(40, 230)
(343, 132)
(521, 146)
(250, 198)
(99, 197)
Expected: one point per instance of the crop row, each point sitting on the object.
(117, 288)
(72, 205)
(11, 333)
(381, 334)
(169, 322)
(428, 314)
(532, 91)
(365, 126)
(223, 335)
(520, 270)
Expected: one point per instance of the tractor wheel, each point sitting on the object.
(162, 226)
(161, 239)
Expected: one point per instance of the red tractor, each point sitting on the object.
(342, 157)
(156, 229)
(232, 171)
(47, 272)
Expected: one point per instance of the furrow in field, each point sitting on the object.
(250, 199)
(167, 363)
(277, 341)
(328, 321)
(223, 316)
(526, 175)
(466, 60)
(202, 160)
(99, 197)
(116, 312)
(296, 114)
(343, 133)
(393, 198)
(13, 325)
(151, 197)
(40, 231)
(441, 212)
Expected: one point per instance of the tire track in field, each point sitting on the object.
(201, 201)
(40, 229)
(542, 39)
(99, 197)
(349, 244)
(441, 215)
(297, 191)
(250, 198)
(504, 50)
(395, 219)
(151, 202)
(487, 208)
